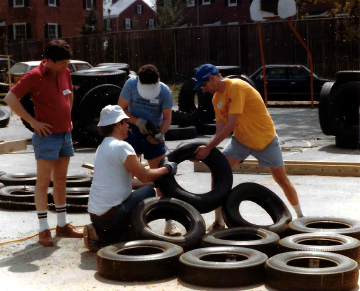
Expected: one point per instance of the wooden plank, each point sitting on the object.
(12, 146)
(297, 168)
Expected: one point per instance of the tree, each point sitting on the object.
(171, 13)
(335, 6)
(91, 23)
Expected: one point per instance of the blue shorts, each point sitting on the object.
(53, 146)
(141, 145)
(270, 156)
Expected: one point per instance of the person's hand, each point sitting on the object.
(201, 153)
(141, 124)
(151, 139)
(160, 137)
(171, 166)
(41, 128)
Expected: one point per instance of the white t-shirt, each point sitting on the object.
(112, 182)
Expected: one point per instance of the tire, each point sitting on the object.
(76, 199)
(4, 118)
(219, 168)
(99, 77)
(262, 196)
(322, 242)
(347, 76)
(206, 128)
(77, 180)
(122, 67)
(334, 225)
(89, 111)
(177, 132)
(229, 70)
(186, 99)
(159, 208)
(18, 179)
(323, 108)
(343, 110)
(291, 271)
(182, 118)
(210, 267)
(245, 78)
(143, 260)
(27, 103)
(347, 142)
(2, 185)
(247, 237)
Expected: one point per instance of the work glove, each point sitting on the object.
(158, 138)
(171, 166)
(152, 128)
(141, 124)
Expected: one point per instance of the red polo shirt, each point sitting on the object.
(50, 95)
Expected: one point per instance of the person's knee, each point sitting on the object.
(59, 180)
(42, 183)
(150, 192)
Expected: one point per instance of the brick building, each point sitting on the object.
(122, 15)
(41, 19)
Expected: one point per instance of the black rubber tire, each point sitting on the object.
(347, 76)
(182, 118)
(245, 78)
(347, 142)
(77, 180)
(229, 70)
(177, 132)
(27, 103)
(222, 177)
(99, 77)
(206, 128)
(157, 260)
(336, 272)
(90, 107)
(160, 208)
(262, 240)
(4, 117)
(77, 199)
(18, 179)
(322, 242)
(343, 110)
(247, 270)
(323, 108)
(262, 196)
(2, 185)
(186, 99)
(339, 225)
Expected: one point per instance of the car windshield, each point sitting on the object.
(80, 67)
(19, 68)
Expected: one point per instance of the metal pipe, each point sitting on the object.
(263, 63)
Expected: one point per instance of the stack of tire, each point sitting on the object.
(310, 253)
(339, 105)
(4, 118)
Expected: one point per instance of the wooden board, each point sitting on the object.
(296, 168)
(12, 146)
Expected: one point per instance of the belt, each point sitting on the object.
(105, 215)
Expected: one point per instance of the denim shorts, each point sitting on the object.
(270, 156)
(141, 145)
(53, 146)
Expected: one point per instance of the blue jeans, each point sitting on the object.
(113, 229)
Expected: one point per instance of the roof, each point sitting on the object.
(120, 6)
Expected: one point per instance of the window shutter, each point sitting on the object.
(46, 2)
(46, 30)
(141, 9)
(136, 9)
(94, 4)
(124, 23)
(212, 1)
(131, 23)
(162, 2)
(28, 30)
(84, 4)
(59, 31)
(11, 31)
(11, 3)
(57, 2)
(26, 3)
(147, 23)
(226, 2)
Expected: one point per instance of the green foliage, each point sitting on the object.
(335, 6)
(91, 23)
(172, 13)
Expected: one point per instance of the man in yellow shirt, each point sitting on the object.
(240, 109)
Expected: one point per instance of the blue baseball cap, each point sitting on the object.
(203, 73)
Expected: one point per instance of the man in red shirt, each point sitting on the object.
(51, 88)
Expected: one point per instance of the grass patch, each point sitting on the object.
(175, 90)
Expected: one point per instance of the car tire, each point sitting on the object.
(143, 260)
(323, 108)
(321, 224)
(4, 118)
(18, 179)
(206, 128)
(99, 77)
(27, 103)
(221, 172)
(322, 242)
(347, 76)
(2, 185)
(76, 180)
(186, 99)
(182, 118)
(160, 208)
(262, 196)
(262, 240)
(77, 199)
(212, 267)
(291, 271)
(347, 142)
(177, 132)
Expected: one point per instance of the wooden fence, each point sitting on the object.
(176, 52)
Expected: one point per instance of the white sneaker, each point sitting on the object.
(172, 229)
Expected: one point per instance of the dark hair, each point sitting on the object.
(107, 129)
(58, 50)
(148, 74)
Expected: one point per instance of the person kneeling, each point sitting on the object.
(111, 198)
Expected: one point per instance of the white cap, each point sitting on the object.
(149, 91)
(111, 114)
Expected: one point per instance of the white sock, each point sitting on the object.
(43, 222)
(218, 216)
(298, 211)
(61, 215)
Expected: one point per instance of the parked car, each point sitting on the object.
(4, 68)
(288, 83)
(21, 68)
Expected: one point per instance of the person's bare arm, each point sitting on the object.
(123, 103)
(12, 100)
(165, 125)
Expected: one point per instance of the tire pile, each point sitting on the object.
(339, 105)
(310, 253)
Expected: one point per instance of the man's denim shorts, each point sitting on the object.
(270, 156)
(53, 146)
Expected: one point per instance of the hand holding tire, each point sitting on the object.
(141, 124)
(171, 166)
(202, 152)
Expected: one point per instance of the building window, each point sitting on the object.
(52, 3)
(89, 4)
(108, 24)
(232, 2)
(190, 3)
(127, 23)
(19, 3)
(138, 9)
(19, 30)
(206, 2)
(52, 30)
(151, 23)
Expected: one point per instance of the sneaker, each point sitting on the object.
(91, 239)
(45, 238)
(68, 231)
(172, 229)
(216, 226)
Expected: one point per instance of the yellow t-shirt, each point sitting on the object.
(254, 127)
